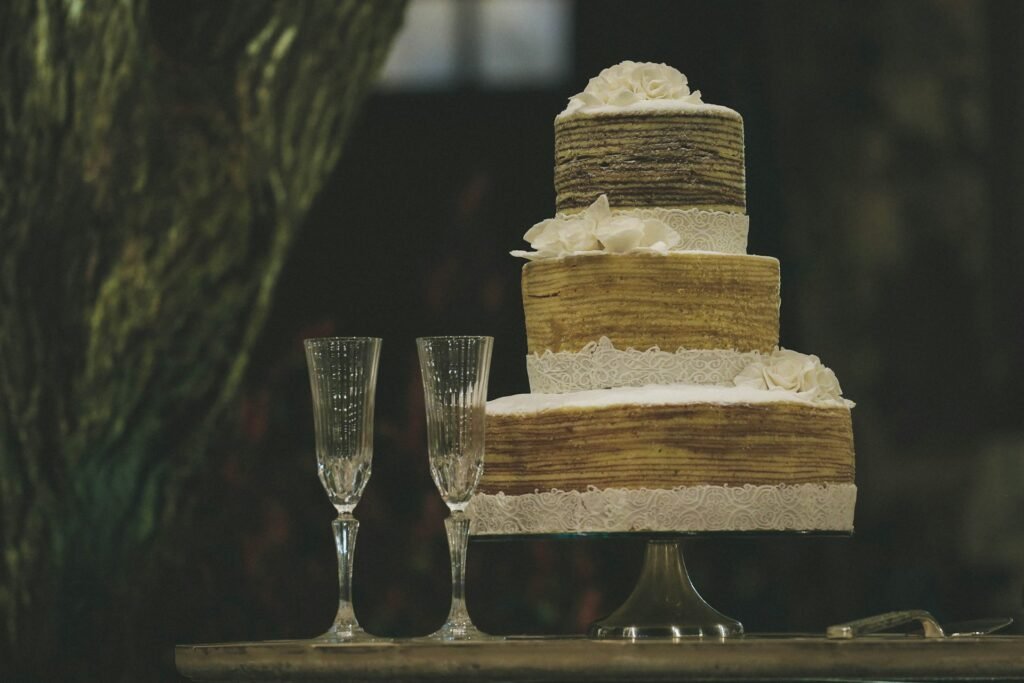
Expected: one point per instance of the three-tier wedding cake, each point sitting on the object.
(660, 400)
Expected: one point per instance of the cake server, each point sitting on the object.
(875, 625)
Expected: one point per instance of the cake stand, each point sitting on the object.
(664, 603)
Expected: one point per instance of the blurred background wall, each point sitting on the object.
(885, 161)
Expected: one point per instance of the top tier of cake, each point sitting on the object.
(638, 135)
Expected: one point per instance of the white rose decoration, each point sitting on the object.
(822, 382)
(752, 376)
(557, 237)
(562, 236)
(787, 369)
(659, 82)
(658, 236)
(621, 234)
(799, 373)
(632, 83)
(599, 211)
(596, 229)
(542, 234)
(577, 234)
(613, 80)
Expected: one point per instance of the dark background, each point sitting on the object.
(885, 161)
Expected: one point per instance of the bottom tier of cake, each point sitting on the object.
(667, 458)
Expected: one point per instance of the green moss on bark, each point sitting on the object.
(156, 161)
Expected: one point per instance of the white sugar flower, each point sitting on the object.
(823, 382)
(600, 210)
(577, 234)
(559, 236)
(624, 233)
(617, 77)
(621, 234)
(659, 236)
(630, 83)
(597, 229)
(799, 373)
(787, 370)
(660, 82)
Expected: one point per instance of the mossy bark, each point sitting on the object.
(156, 161)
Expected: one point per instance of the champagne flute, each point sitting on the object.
(343, 379)
(455, 371)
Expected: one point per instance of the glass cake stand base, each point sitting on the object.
(664, 604)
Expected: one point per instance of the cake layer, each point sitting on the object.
(662, 158)
(693, 300)
(660, 446)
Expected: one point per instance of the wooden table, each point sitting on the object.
(750, 658)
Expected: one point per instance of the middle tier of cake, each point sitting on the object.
(694, 300)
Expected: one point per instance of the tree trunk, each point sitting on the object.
(156, 161)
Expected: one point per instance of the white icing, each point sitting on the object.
(631, 86)
(599, 365)
(653, 395)
(778, 507)
(597, 230)
(655, 106)
(791, 372)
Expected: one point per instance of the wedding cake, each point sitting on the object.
(660, 400)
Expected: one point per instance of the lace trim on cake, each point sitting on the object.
(599, 365)
(780, 507)
(698, 229)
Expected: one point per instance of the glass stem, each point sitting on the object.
(457, 526)
(345, 528)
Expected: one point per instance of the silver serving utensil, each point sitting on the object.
(882, 622)
(977, 627)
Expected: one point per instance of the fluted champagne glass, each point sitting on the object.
(343, 379)
(455, 371)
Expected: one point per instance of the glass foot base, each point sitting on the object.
(455, 632)
(664, 604)
(348, 634)
(623, 627)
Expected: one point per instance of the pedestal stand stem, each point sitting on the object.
(664, 603)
